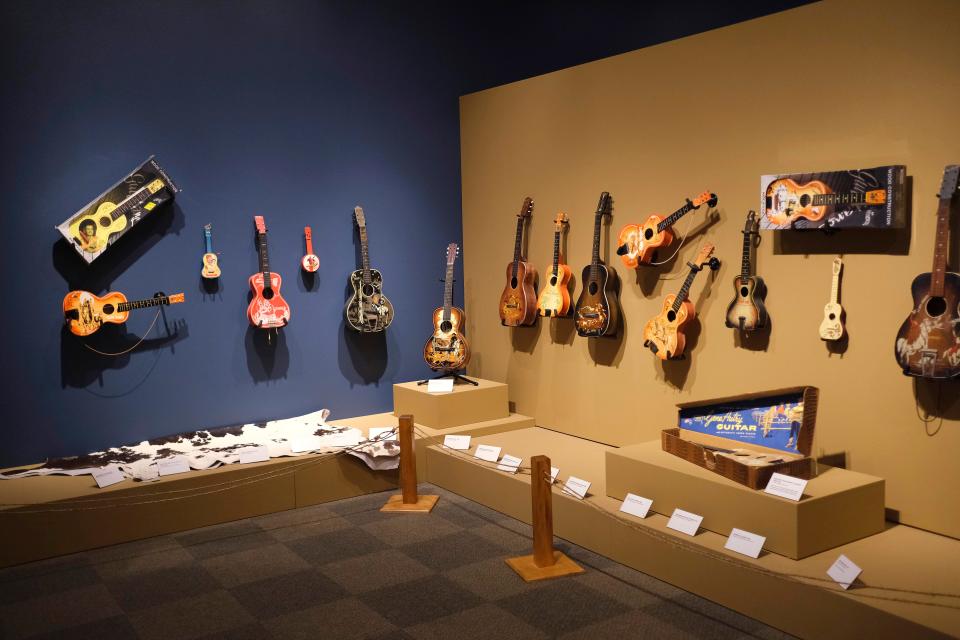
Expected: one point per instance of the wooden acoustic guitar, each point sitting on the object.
(85, 312)
(831, 327)
(638, 242)
(447, 349)
(787, 201)
(211, 266)
(597, 312)
(663, 333)
(518, 302)
(310, 262)
(747, 311)
(554, 300)
(367, 310)
(92, 232)
(267, 309)
(928, 343)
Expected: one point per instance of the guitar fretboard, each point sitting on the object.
(940, 249)
(685, 289)
(135, 200)
(518, 245)
(208, 238)
(143, 304)
(448, 291)
(602, 207)
(670, 220)
(264, 260)
(365, 255)
(556, 252)
(830, 199)
(745, 265)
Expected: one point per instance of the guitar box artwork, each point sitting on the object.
(749, 437)
(108, 217)
(849, 199)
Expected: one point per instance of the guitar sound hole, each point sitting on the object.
(743, 292)
(105, 221)
(445, 326)
(268, 293)
(671, 316)
(368, 290)
(647, 234)
(513, 283)
(593, 288)
(833, 316)
(108, 309)
(805, 200)
(936, 306)
(553, 281)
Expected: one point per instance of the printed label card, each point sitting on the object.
(685, 522)
(636, 505)
(577, 487)
(487, 452)
(254, 454)
(786, 487)
(510, 464)
(173, 466)
(107, 476)
(844, 571)
(461, 443)
(749, 544)
(443, 385)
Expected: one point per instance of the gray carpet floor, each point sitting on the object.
(345, 570)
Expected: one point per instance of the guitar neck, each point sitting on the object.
(143, 304)
(556, 252)
(208, 240)
(745, 265)
(940, 248)
(685, 289)
(264, 259)
(135, 199)
(835, 289)
(517, 245)
(365, 255)
(595, 260)
(448, 292)
(670, 220)
(308, 235)
(830, 199)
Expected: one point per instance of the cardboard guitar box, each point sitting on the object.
(748, 438)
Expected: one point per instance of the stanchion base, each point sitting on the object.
(529, 571)
(424, 504)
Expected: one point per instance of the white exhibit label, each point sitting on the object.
(377, 433)
(443, 385)
(685, 522)
(510, 464)
(457, 442)
(254, 454)
(348, 438)
(786, 486)
(577, 487)
(487, 452)
(749, 544)
(554, 472)
(636, 505)
(176, 464)
(107, 476)
(844, 571)
(304, 444)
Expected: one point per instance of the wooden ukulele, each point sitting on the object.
(663, 333)
(928, 343)
(518, 302)
(447, 349)
(310, 262)
(598, 310)
(92, 232)
(787, 200)
(268, 309)
(554, 299)
(831, 328)
(747, 311)
(211, 268)
(85, 312)
(367, 310)
(638, 242)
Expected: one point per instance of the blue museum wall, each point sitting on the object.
(292, 110)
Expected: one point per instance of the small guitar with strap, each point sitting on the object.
(747, 311)
(211, 268)
(267, 309)
(85, 313)
(638, 242)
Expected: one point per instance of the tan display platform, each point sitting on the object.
(794, 595)
(466, 404)
(838, 506)
(527, 569)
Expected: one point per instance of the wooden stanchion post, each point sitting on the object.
(408, 501)
(545, 562)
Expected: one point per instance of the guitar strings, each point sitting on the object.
(675, 251)
(135, 345)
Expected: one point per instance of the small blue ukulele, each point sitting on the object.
(211, 269)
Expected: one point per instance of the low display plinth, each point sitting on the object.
(837, 507)
(424, 504)
(466, 404)
(527, 568)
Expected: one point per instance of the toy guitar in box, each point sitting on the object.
(109, 216)
(750, 437)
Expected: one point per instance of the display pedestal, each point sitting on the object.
(837, 507)
(466, 404)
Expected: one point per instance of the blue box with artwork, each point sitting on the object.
(748, 438)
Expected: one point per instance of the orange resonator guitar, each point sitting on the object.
(85, 312)
(638, 242)
(268, 309)
(786, 200)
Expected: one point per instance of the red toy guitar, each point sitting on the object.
(268, 309)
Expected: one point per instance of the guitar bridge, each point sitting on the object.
(928, 363)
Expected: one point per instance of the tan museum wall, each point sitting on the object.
(834, 85)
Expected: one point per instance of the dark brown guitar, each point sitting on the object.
(928, 343)
(747, 312)
(518, 302)
(598, 309)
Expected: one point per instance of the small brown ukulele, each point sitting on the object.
(518, 302)
(447, 348)
(747, 311)
(554, 300)
(664, 332)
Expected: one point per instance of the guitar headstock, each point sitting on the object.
(951, 174)
(603, 206)
(155, 185)
(706, 250)
(308, 233)
(526, 209)
(710, 199)
(837, 266)
(176, 298)
(261, 225)
(452, 251)
(208, 229)
(358, 214)
(751, 223)
(560, 220)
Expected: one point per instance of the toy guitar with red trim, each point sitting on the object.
(268, 309)
(637, 242)
(85, 312)
(310, 261)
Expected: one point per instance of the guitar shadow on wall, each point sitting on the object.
(268, 357)
(80, 367)
(363, 357)
(525, 338)
(757, 340)
(649, 276)
(937, 399)
(608, 350)
(839, 347)
(563, 329)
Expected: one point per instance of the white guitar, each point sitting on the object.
(832, 326)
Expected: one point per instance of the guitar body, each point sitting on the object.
(598, 311)
(87, 312)
(554, 300)
(105, 227)
(368, 310)
(831, 328)
(928, 343)
(267, 309)
(447, 349)
(518, 302)
(747, 312)
(211, 268)
(664, 332)
(642, 240)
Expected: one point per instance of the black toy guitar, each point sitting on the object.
(598, 309)
(367, 310)
(747, 312)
